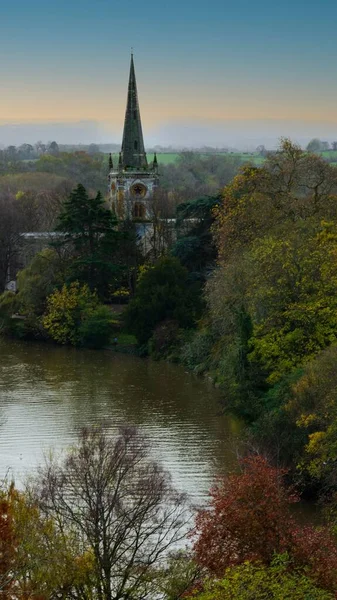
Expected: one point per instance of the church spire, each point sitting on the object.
(133, 151)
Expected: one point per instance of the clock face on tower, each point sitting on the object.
(138, 190)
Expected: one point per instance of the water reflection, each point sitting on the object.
(47, 393)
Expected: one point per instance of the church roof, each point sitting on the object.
(133, 154)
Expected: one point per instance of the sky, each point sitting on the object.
(215, 72)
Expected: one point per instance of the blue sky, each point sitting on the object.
(196, 62)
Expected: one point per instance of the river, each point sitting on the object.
(48, 393)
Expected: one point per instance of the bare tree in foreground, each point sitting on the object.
(120, 505)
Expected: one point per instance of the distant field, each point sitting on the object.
(14, 182)
(330, 154)
(164, 158)
(167, 158)
(249, 157)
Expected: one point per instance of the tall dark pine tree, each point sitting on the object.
(89, 229)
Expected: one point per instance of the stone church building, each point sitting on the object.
(133, 181)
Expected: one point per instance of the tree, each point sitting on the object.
(37, 281)
(315, 145)
(195, 175)
(293, 297)
(161, 233)
(274, 232)
(163, 292)
(249, 519)
(261, 149)
(89, 228)
(312, 407)
(119, 505)
(53, 149)
(29, 545)
(7, 543)
(11, 153)
(291, 186)
(11, 229)
(180, 576)
(26, 152)
(195, 245)
(74, 316)
(40, 147)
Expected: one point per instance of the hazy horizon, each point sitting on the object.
(241, 134)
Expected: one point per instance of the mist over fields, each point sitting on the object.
(235, 133)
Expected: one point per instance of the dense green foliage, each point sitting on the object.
(88, 228)
(272, 300)
(195, 246)
(164, 292)
(252, 581)
(91, 258)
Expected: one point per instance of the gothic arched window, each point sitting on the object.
(136, 145)
(139, 211)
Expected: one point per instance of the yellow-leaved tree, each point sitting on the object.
(74, 316)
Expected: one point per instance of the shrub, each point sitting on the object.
(164, 339)
(66, 311)
(96, 328)
(254, 581)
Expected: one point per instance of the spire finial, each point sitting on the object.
(155, 161)
(110, 162)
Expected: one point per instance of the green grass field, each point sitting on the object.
(330, 154)
(167, 158)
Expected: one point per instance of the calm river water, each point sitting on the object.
(48, 393)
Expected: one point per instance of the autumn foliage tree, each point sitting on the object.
(29, 545)
(272, 299)
(249, 519)
(7, 544)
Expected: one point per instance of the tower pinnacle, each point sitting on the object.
(133, 151)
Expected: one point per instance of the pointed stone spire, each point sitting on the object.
(133, 151)
(111, 166)
(155, 162)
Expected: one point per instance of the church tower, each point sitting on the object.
(133, 182)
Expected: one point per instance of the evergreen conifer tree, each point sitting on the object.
(88, 227)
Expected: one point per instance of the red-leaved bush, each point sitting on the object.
(249, 519)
